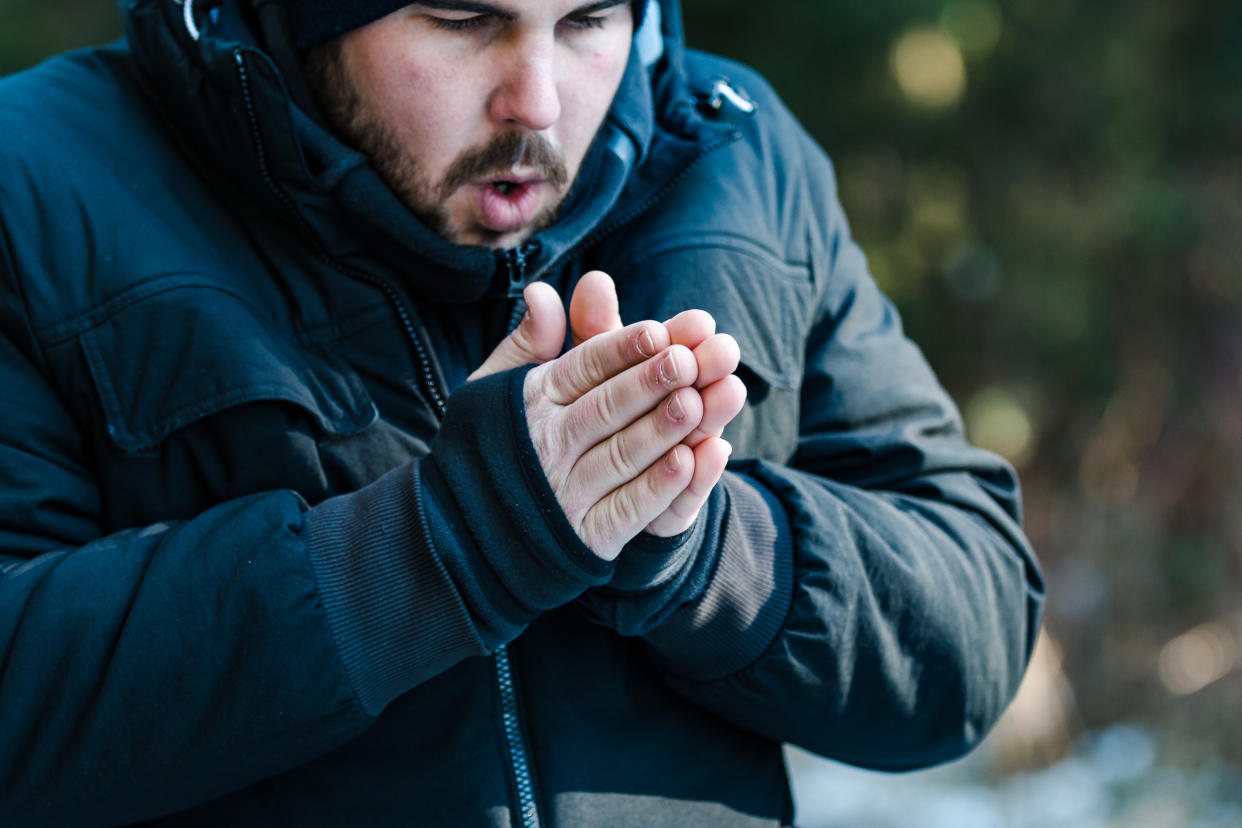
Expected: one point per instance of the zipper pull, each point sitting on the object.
(723, 91)
(515, 261)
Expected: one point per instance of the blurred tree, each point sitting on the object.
(30, 30)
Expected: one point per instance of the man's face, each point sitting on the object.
(478, 114)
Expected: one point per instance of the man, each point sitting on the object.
(270, 558)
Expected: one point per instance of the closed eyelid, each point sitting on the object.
(465, 7)
(596, 8)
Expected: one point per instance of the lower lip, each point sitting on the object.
(509, 211)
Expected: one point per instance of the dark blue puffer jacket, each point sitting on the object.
(266, 559)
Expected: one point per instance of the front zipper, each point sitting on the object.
(515, 262)
(510, 718)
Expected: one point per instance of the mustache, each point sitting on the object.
(500, 155)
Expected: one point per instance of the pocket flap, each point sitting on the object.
(179, 355)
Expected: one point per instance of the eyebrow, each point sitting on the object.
(506, 14)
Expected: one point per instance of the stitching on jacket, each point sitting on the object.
(140, 439)
(718, 240)
(103, 382)
(55, 333)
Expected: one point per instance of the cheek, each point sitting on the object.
(594, 89)
(411, 89)
(427, 108)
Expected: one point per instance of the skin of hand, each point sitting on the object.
(593, 309)
(607, 383)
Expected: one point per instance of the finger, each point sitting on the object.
(722, 401)
(593, 308)
(537, 338)
(598, 360)
(691, 327)
(625, 455)
(623, 513)
(710, 458)
(718, 356)
(606, 410)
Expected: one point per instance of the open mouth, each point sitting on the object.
(507, 204)
(510, 187)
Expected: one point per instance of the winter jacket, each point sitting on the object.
(266, 558)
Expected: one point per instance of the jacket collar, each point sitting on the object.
(231, 107)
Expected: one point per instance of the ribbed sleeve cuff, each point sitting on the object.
(747, 598)
(396, 614)
(647, 563)
(495, 520)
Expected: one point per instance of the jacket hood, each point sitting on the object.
(228, 83)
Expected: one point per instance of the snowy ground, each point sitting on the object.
(1112, 779)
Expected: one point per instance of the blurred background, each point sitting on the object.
(1051, 191)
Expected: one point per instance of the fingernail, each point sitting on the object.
(728, 446)
(675, 409)
(668, 369)
(646, 345)
(671, 461)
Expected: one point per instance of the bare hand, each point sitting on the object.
(608, 418)
(593, 310)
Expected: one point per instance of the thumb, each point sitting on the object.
(593, 308)
(537, 338)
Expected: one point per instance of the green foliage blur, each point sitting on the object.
(1051, 191)
(30, 30)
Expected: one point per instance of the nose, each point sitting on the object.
(526, 92)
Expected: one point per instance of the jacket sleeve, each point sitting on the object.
(147, 670)
(873, 599)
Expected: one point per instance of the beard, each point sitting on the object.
(350, 116)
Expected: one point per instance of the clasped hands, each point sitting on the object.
(627, 423)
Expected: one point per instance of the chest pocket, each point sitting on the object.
(203, 399)
(759, 299)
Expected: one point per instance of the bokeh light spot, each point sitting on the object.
(928, 67)
(997, 421)
(1197, 658)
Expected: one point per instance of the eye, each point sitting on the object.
(459, 24)
(587, 21)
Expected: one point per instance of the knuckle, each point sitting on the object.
(583, 419)
(624, 510)
(599, 529)
(575, 511)
(582, 372)
(618, 456)
(605, 405)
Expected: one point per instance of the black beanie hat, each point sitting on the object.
(314, 21)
